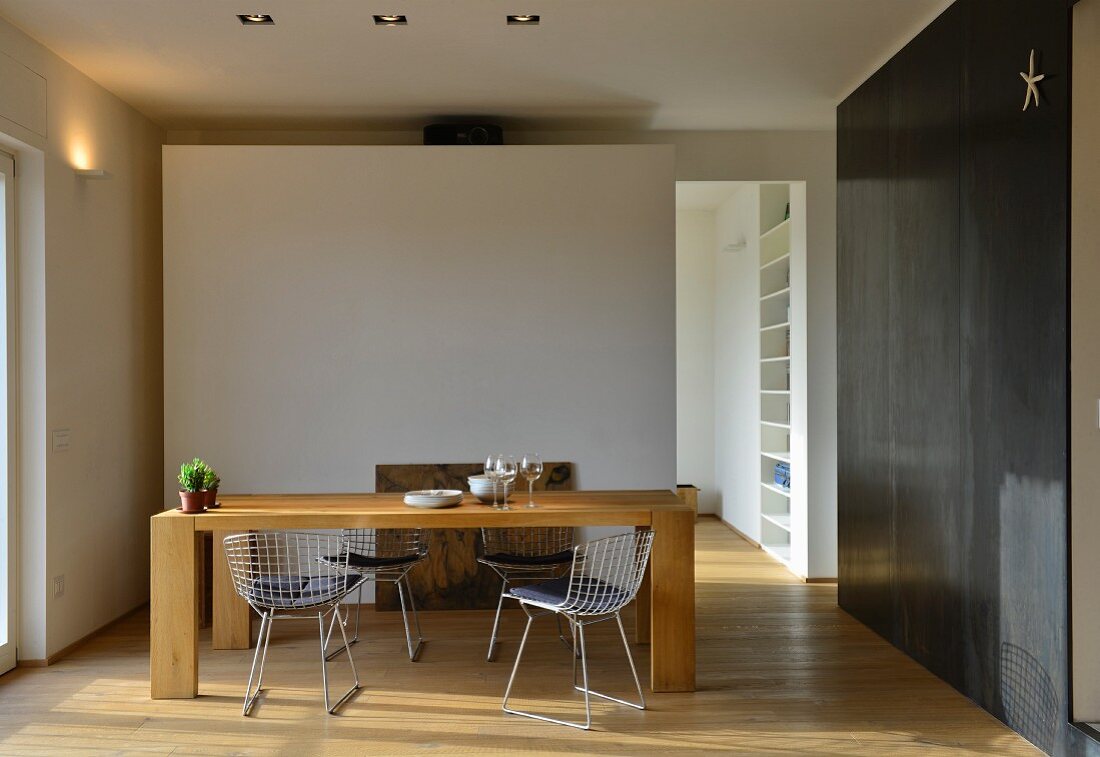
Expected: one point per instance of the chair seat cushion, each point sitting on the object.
(298, 591)
(364, 561)
(593, 593)
(522, 561)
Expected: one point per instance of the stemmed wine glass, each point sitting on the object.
(491, 474)
(531, 468)
(506, 470)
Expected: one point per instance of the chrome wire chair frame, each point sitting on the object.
(605, 577)
(386, 554)
(525, 554)
(282, 575)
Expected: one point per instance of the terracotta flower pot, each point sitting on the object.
(193, 502)
(211, 496)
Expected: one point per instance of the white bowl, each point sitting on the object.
(483, 485)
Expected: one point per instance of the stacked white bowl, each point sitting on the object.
(482, 488)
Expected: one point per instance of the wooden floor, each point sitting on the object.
(781, 671)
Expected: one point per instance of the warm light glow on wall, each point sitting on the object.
(79, 154)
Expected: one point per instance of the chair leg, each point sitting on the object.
(640, 705)
(492, 656)
(414, 653)
(355, 638)
(578, 629)
(634, 670)
(515, 667)
(259, 656)
(339, 621)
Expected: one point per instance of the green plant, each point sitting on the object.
(193, 475)
(210, 480)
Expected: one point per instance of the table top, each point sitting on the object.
(287, 511)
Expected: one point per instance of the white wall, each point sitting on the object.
(90, 343)
(795, 156)
(695, 285)
(331, 308)
(737, 361)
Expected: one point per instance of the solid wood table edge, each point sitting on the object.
(174, 670)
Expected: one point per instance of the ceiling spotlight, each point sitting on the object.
(253, 19)
(391, 19)
(523, 19)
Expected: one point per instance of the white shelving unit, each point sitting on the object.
(776, 514)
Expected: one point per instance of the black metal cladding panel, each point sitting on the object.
(866, 567)
(953, 379)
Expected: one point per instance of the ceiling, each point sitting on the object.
(647, 64)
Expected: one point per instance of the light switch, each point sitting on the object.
(62, 439)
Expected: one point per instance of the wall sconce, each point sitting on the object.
(92, 173)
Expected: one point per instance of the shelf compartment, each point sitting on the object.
(786, 290)
(783, 521)
(775, 410)
(783, 456)
(775, 262)
(775, 341)
(784, 325)
(775, 311)
(774, 374)
(777, 489)
(775, 243)
(778, 228)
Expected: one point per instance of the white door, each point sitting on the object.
(8, 553)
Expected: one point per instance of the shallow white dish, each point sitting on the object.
(430, 498)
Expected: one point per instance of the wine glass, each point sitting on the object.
(491, 474)
(506, 470)
(531, 468)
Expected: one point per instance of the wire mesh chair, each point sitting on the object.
(605, 577)
(385, 554)
(281, 574)
(524, 554)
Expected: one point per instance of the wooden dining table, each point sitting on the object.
(665, 604)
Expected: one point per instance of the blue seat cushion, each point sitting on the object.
(298, 591)
(364, 561)
(523, 561)
(594, 593)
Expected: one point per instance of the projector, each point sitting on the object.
(463, 134)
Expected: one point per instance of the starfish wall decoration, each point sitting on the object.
(1031, 78)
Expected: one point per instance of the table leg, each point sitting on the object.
(175, 560)
(232, 621)
(672, 643)
(642, 604)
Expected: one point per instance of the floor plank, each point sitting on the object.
(781, 671)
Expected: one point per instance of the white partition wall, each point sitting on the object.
(330, 308)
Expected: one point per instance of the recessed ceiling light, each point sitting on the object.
(390, 19)
(523, 19)
(252, 19)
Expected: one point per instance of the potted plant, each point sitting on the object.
(192, 478)
(210, 483)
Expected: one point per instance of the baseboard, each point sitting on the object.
(68, 650)
(820, 580)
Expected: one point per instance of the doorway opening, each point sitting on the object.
(742, 377)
